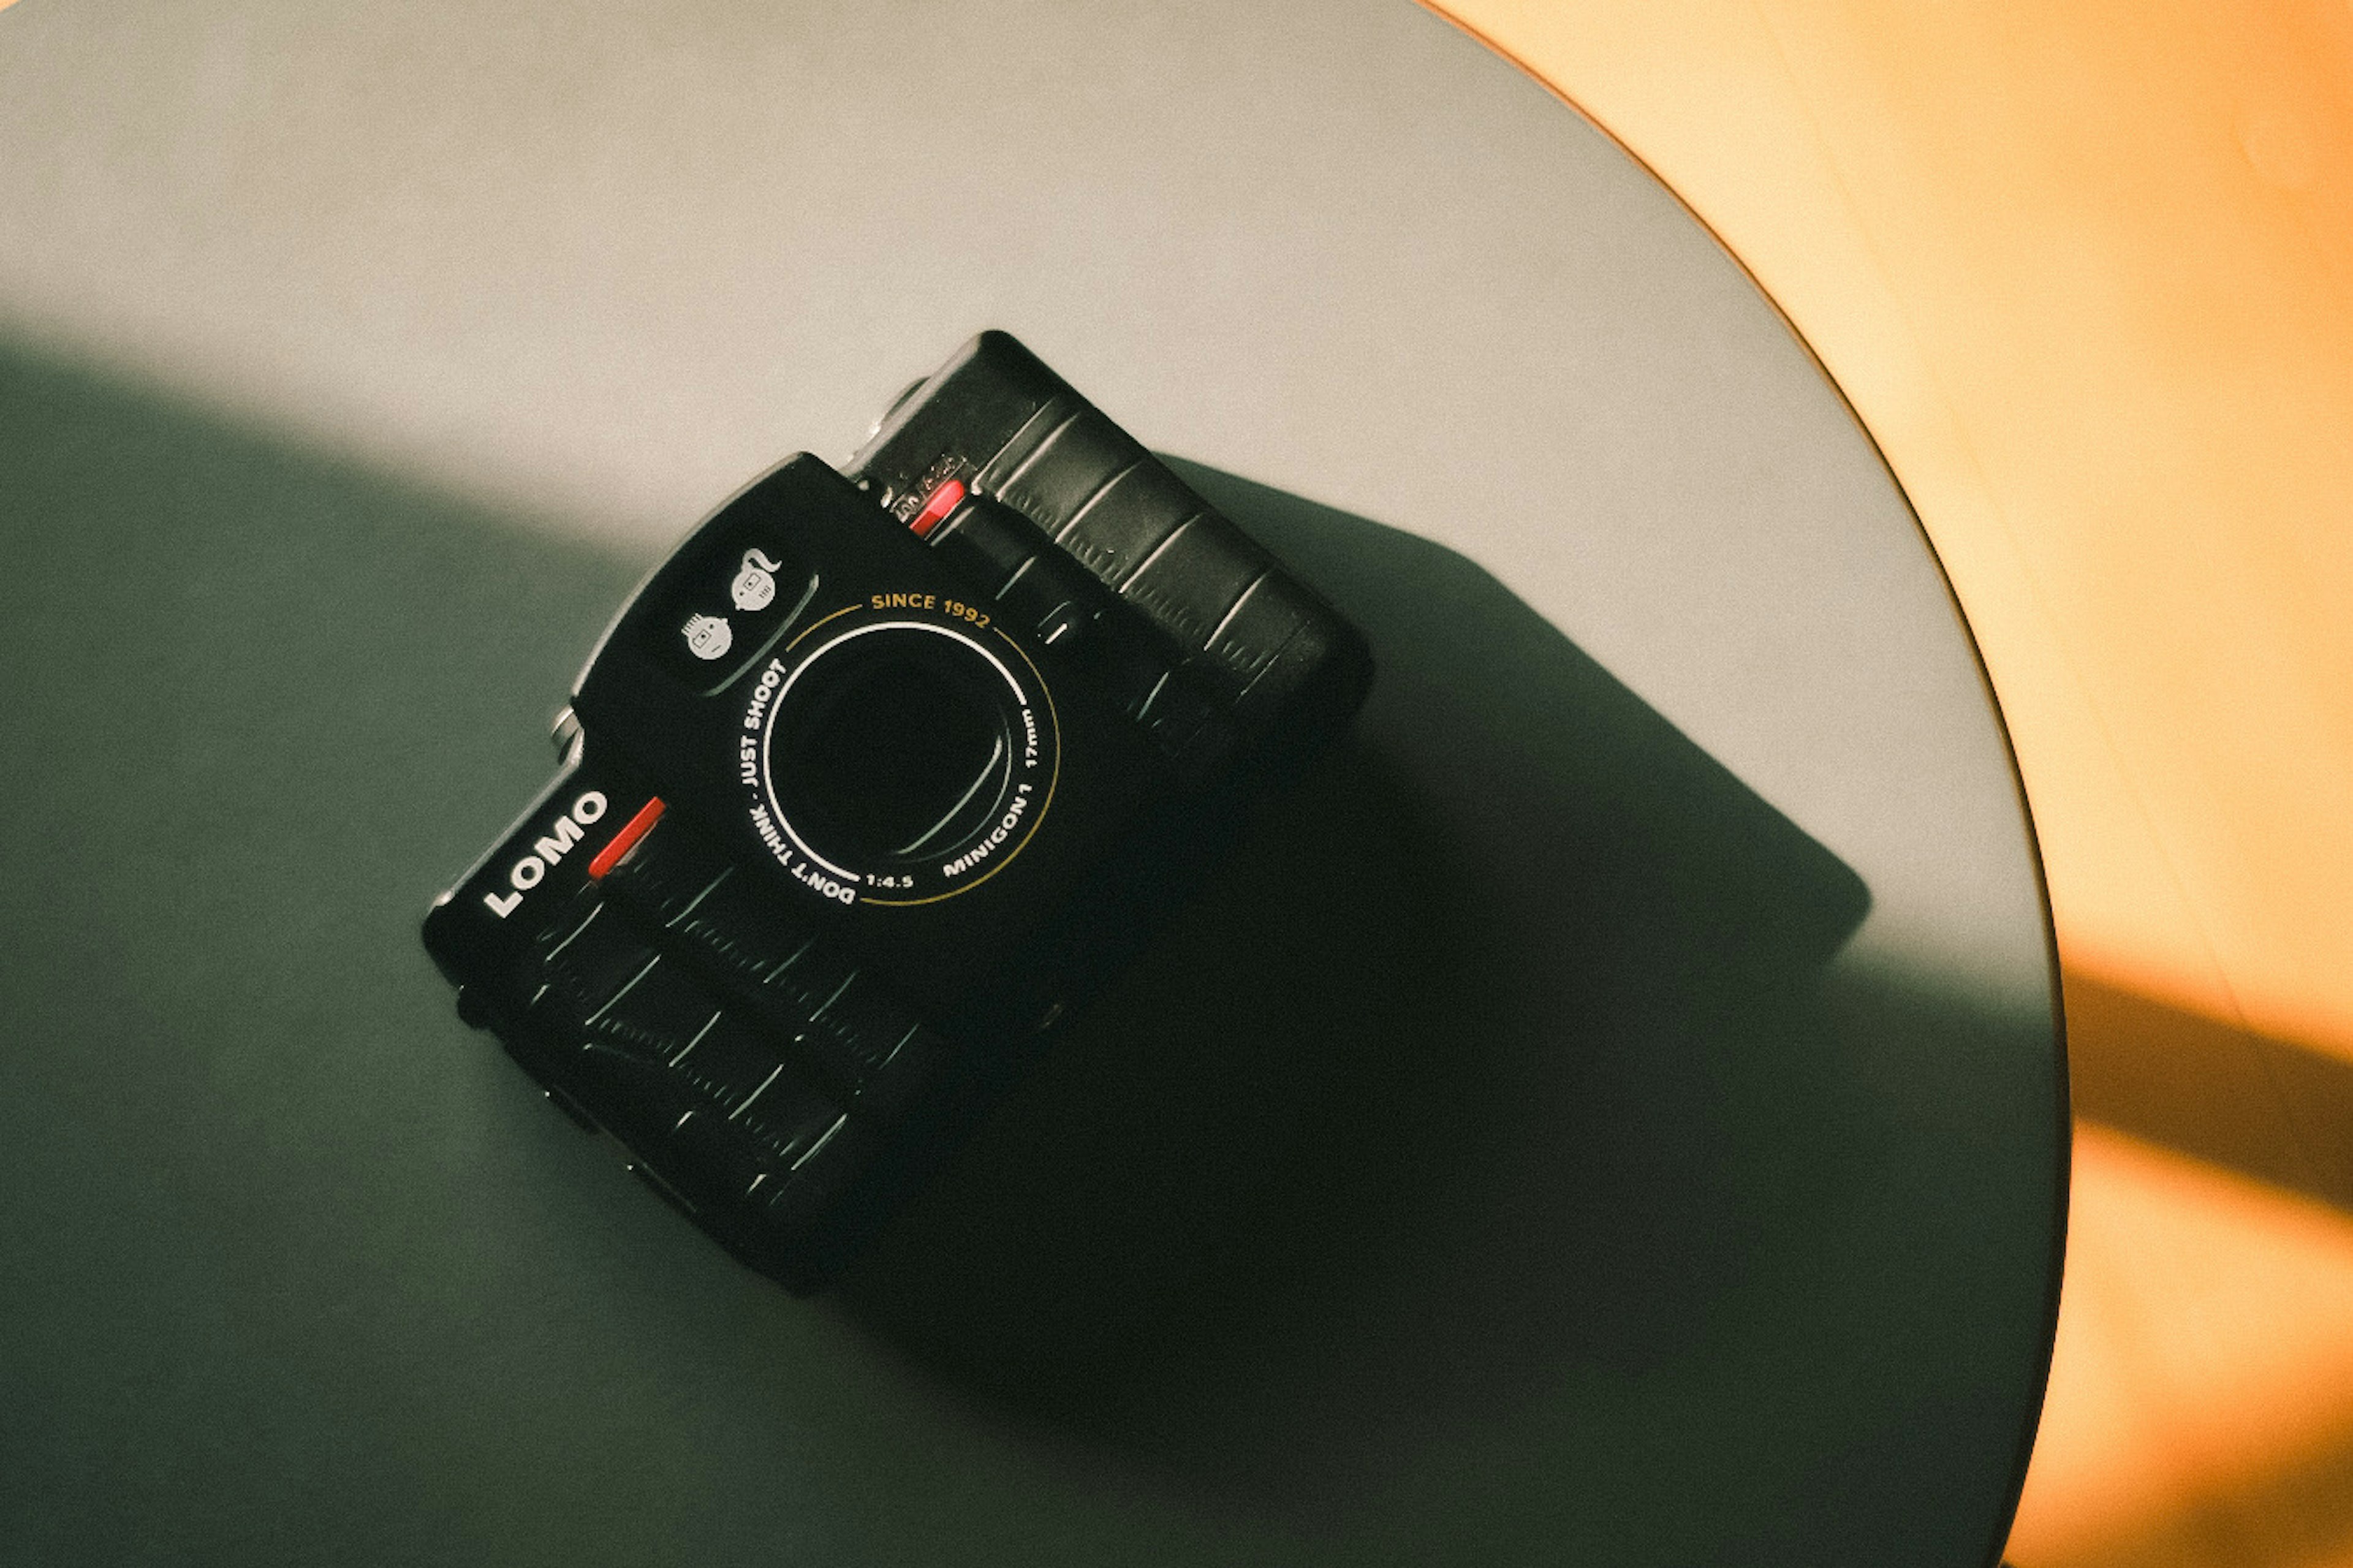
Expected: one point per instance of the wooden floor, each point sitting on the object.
(2085, 270)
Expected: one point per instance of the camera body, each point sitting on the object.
(877, 779)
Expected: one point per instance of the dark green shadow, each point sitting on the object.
(1467, 1068)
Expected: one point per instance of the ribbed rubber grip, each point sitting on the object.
(998, 421)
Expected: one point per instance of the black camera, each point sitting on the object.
(872, 784)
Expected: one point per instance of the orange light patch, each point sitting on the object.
(2205, 1348)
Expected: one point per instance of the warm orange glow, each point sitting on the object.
(2205, 1347)
(2086, 272)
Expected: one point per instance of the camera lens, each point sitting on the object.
(891, 746)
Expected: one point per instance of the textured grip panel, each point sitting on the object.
(1250, 634)
(839, 1024)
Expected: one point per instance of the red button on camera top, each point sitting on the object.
(636, 827)
(942, 501)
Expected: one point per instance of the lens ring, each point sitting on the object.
(901, 757)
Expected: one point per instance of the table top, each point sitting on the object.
(1617, 1112)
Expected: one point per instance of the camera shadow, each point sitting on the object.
(1478, 1062)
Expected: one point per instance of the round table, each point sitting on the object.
(1616, 1113)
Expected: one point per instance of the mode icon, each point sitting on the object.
(755, 587)
(709, 637)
